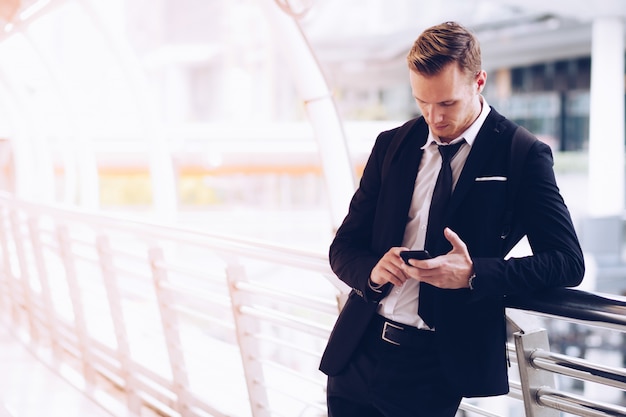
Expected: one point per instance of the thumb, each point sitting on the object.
(457, 244)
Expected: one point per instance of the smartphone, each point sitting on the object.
(414, 254)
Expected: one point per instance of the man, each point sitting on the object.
(412, 340)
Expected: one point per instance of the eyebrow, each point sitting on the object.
(452, 100)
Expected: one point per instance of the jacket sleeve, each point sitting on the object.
(541, 214)
(351, 255)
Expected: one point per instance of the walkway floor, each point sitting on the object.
(28, 388)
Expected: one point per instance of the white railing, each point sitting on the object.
(149, 318)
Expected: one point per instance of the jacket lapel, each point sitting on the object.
(398, 186)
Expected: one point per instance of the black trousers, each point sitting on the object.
(387, 380)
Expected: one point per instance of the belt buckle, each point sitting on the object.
(384, 334)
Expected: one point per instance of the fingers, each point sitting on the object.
(457, 244)
(446, 271)
(389, 269)
(449, 271)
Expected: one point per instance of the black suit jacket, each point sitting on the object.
(470, 329)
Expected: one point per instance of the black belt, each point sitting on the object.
(400, 334)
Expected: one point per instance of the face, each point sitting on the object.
(449, 101)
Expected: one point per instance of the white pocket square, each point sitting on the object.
(479, 179)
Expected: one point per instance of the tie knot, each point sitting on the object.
(448, 151)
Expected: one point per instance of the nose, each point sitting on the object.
(433, 115)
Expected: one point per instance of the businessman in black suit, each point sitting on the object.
(412, 340)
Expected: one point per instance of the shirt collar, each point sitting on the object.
(470, 133)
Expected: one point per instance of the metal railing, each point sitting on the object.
(150, 319)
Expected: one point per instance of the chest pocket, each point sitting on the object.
(489, 199)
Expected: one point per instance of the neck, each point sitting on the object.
(478, 110)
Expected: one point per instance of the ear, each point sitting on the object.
(481, 80)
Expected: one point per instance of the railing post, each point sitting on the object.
(248, 343)
(24, 275)
(531, 378)
(171, 331)
(78, 309)
(7, 288)
(119, 323)
(42, 272)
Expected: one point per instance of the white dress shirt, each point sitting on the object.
(401, 303)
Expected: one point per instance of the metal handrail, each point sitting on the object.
(580, 306)
(577, 405)
(579, 368)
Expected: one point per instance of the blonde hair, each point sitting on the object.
(443, 44)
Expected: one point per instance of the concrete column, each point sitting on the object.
(606, 136)
(601, 232)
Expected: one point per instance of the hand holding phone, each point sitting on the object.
(414, 254)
